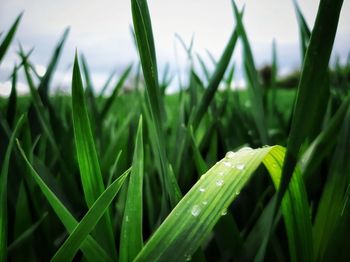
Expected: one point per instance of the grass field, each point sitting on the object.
(205, 174)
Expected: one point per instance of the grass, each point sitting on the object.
(260, 174)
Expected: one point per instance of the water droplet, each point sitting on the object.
(228, 164)
(238, 192)
(219, 182)
(240, 166)
(195, 210)
(188, 257)
(245, 149)
(202, 189)
(224, 212)
(221, 173)
(230, 154)
(265, 146)
(205, 202)
(127, 219)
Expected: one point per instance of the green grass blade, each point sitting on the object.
(12, 101)
(3, 191)
(43, 88)
(26, 234)
(254, 88)
(131, 240)
(91, 249)
(331, 203)
(8, 38)
(145, 42)
(215, 80)
(71, 246)
(118, 86)
(311, 90)
(198, 211)
(89, 166)
(304, 30)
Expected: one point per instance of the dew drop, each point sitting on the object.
(195, 211)
(245, 149)
(230, 154)
(238, 192)
(219, 182)
(202, 189)
(240, 166)
(127, 219)
(205, 202)
(228, 164)
(188, 257)
(224, 212)
(221, 173)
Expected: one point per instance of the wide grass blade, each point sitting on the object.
(3, 191)
(89, 221)
(89, 166)
(8, 38)
(91, 249)
(194, 217)
(131, 240)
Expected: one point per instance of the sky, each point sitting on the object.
(101, 31)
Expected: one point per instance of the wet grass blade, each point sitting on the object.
(71, 246)
(3, 191)
(89, 166)
(91, 249)
(198, 211)
(4, 45)
(131, 239)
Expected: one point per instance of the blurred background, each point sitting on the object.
(101, 30)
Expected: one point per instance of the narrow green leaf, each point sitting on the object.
(89, 166)
(71, 246)
(8, 38)
(131, 240)
(91, 249)
(3, 191)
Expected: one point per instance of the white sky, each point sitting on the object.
(100, 30)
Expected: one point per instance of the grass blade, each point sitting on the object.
(89, 166)
(3, 191)
(91, 249)
(89, 221)
(198, 211)
(8, 38)
(131, 240)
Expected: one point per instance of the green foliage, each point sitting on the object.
(68, 192)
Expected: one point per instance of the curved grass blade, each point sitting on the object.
(71, 246)
(304, 30)
(91, 249)
(8, 38)
(194, 217)
(131, 240)
(3, 191)
(89, 166)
